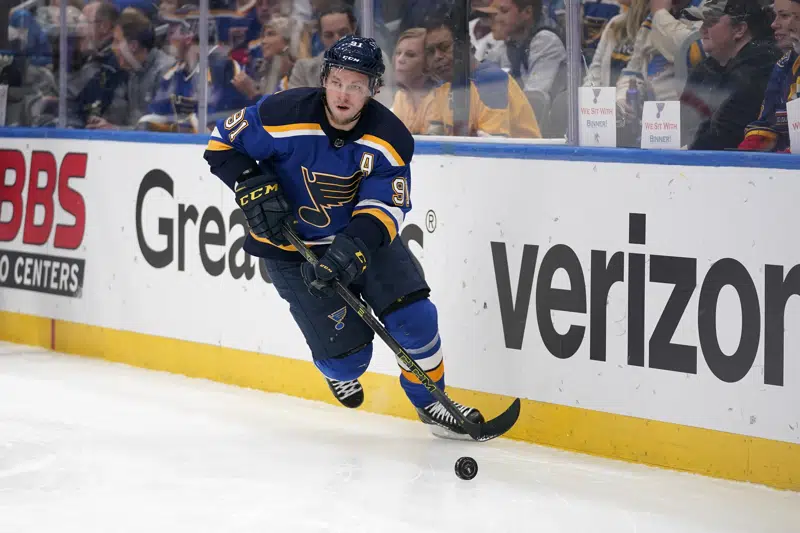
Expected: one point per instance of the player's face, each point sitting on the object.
(409, 61)
(347, 93)
(439, 53)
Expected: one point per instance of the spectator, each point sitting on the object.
(415, 88)
(145, 65)
(596, 16)
(334, 23)
(267, 9)
(148, 7)
(497, 105)
(44, 109)
(271, 64)
(723, 93)
(616, 45)
(533, 51)
(100, 74)
(29, 76)
(481, 29)
(238, 26)
(167, 8)
(174, 106)
(651, 68)
(770, 131)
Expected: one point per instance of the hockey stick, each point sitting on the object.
(478, 431)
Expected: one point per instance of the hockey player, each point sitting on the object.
(335, 163)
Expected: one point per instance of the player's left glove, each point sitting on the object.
(345, 260)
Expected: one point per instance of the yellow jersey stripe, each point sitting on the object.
(385, 219)
(436, 374)
(292, 127)
(389, 150)
(288, 247)
(771, 135)
(216, 146)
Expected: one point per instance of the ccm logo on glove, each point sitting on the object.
(257, 193)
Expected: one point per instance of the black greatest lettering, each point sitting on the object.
(678, 272)
(211, 231)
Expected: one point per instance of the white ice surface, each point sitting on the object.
(88, 446)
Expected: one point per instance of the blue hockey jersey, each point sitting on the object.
(174, 106)
(770, 132)
(334, 179)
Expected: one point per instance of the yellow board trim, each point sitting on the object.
(216, 146)
(702, 451)
(386, 220)
(387, 146)
(293, 127)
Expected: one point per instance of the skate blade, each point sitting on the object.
(444, 433)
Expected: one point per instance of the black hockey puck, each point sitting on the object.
(466, 468)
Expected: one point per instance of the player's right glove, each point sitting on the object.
(261, 198)
(345, 261)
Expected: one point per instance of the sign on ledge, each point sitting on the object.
(598, 117)
(661, 125)
(793, 117)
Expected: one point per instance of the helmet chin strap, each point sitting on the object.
(328, 107)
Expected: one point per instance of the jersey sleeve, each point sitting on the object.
(762, 134)
(239, 142)
(384, 196)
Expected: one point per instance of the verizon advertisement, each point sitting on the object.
(663, 292)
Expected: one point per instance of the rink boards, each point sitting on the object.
(645, 306)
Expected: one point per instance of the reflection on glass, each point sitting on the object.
(714, 74)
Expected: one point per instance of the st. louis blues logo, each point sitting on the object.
(326, 192)
(338, 317)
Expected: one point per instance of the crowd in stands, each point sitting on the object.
(135, 64)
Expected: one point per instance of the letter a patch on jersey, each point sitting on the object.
(338, 317)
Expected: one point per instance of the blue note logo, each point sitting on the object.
(338, 317)
(326, 192)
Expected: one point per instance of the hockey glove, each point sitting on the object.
(345, 260)
(261, 198)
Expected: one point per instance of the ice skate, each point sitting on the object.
(443, 424)
(349, 393)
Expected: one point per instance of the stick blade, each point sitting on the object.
(496, 426)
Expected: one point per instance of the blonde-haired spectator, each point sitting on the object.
(616, 44)
(652, 67)
(415, 87)
(276, 62)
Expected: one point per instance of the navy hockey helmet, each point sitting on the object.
(360, 54)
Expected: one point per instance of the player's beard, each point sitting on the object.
(336, 120)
